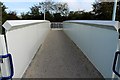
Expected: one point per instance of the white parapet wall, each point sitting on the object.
(97, 39)
(24, 38)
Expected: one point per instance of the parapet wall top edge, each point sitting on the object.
(104, 23)
(9, 24)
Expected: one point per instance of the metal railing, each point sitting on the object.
(115, 63)
(56, 25)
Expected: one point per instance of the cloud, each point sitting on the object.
(18, 10)
(74, 1)
(24, 6)
(22, 0)
(78, 4)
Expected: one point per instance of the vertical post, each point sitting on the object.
(113, 19)
(44, 9)
(44, 12)
(0, 17)
(119, 5)
(114, 10)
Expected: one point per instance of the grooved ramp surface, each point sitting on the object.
(59, 57)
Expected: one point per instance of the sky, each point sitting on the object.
(24, 5)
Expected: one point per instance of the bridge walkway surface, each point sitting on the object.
(59, 57)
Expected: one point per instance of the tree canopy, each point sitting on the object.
(58, 12)
(12, 15)
(104, 10)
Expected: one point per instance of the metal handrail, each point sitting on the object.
(11, 66)
(56, 25)
(115, 62)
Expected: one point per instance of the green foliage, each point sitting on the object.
(49, 16)
(104, 10)
(57, 17)
(34, 11)
(59, 12)
(61, 8)
(4, 13)
(6, 16)
(3, 16)
(53, 11)
(118, 12)
(12, 16)
(26, 16)
(80, 15)
(46, 6)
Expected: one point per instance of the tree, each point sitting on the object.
(53, 8)
(37, 11)
(12, 15)
(3, 12)
(118, 12)
(0, 13)
(26, 16)
(47, 6)
(57, 17)
(87, 16)
(3, 16)
(49, 16)
(53, 11)
(104, 10)
(34, 12)
(61, 8)
(80, 15)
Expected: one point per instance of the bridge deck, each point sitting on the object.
(59, 57)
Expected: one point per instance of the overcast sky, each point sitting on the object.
(24, 5)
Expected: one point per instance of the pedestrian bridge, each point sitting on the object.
(81, 49)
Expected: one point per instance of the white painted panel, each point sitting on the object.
(24, 42)
(98, 43)
(4, 66)
(11, 24)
